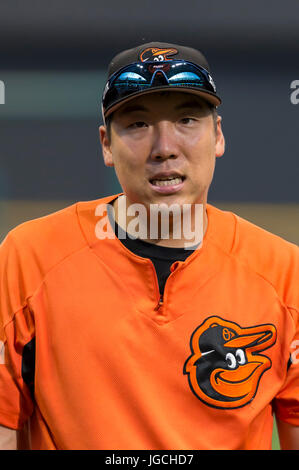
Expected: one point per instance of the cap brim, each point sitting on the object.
(207, 96)
(248, 340)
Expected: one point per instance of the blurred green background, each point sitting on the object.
(275, 439)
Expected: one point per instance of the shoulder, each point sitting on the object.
(53, 235)
(59, 233)
(268, 252)
(268, 255)
(32, 249)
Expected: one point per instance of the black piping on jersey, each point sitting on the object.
(28, 365)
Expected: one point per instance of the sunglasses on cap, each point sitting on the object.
(142, 76)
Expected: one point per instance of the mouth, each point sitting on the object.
(167, 183)
(239, 382)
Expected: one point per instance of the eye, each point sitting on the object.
(231, 360)
(240, 355)
(187, 120)
(137, 125)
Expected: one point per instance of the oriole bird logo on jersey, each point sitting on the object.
(226, 364)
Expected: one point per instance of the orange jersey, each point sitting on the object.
(91, 359)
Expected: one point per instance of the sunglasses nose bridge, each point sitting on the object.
(159, 78)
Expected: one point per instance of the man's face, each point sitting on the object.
(161, 136)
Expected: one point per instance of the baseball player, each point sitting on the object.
(137, 342)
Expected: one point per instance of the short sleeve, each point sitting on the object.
(286, 403)
(16, 331)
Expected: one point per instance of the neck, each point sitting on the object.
(174, 229)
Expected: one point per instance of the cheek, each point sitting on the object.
(202, 138)
(127, 153)
(128, 166)
(202, 151)
(202, 163)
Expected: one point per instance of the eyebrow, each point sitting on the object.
(185, 105)
(132, 109)
(189, 105)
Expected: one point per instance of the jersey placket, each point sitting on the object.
(160, 309)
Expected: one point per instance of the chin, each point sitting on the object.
(148, 198)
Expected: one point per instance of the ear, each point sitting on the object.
(106, 146)
(220, 141)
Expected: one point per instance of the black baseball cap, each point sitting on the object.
(157, 53)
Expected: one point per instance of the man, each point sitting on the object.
(113, 340)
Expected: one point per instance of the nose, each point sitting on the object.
(164, 143)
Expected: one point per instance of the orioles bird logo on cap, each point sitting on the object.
(157, 54)
(226, 366)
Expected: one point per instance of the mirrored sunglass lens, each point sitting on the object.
(129, 77)
(186, 78)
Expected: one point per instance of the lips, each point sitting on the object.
(167, 182)
(167, 179)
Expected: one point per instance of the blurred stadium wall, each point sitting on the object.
(53, 57)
